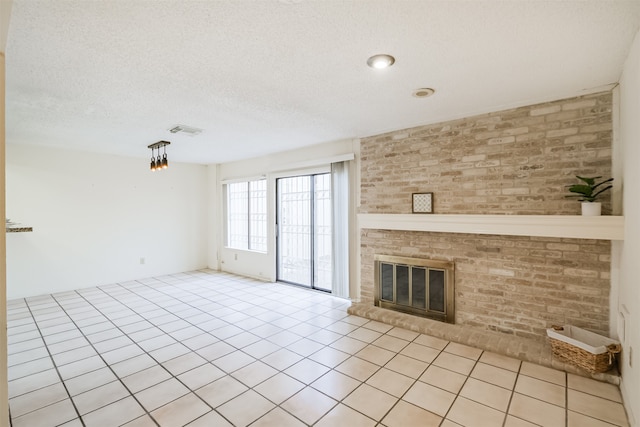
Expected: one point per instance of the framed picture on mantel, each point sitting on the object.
(422, 202)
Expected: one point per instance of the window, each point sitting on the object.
(247, 215)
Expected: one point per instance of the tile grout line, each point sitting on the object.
(44, 343)
(566, 399)
(278, 405)
(226, 373)
(55, 365)
(306, 385)
(352, 355)
(417, 379)
(207, 332)
(111, 321)
(513, 392)
(463, 384)
(374, 344)
(166, 333)
(231, 295)
(104, 361)
(148, 354)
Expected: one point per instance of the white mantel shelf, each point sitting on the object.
(568, 226)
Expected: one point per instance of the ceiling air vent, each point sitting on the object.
(187, 130)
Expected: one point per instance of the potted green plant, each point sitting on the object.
(588, 191)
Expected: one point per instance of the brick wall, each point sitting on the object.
(517, 161)
(510, 162)
(511, 284)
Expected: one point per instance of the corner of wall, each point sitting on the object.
(629, 292)
(213, 216)
(616, 209)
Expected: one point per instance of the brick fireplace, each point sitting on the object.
(514, 162)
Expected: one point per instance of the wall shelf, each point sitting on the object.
(563, 226)
(19, 229)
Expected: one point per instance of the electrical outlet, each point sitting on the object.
(235, 257)
(142, 261)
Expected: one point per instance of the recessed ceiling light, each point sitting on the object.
(380, 61)
(423, 92)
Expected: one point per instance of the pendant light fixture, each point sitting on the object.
(153, 160)
(165, 162)
(158, 163)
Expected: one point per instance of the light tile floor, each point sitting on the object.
(211, 349)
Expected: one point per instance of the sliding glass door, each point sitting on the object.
(304, 239)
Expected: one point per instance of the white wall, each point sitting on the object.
(95, 217)
(263, 265)
(629, 290)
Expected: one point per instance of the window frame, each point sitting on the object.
(251, 202)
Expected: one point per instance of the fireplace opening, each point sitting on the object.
(417, 286)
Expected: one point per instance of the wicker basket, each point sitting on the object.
(589, 351)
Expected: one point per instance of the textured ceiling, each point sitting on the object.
(266, 76)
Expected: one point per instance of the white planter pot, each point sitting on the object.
(591, 208)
